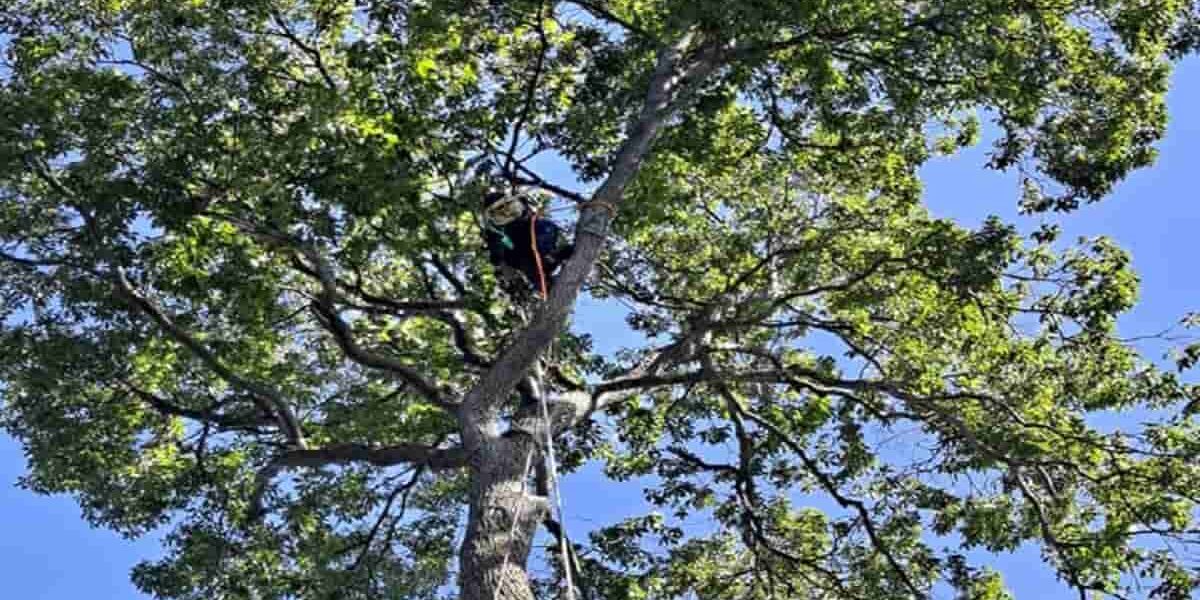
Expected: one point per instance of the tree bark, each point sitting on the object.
(503, 517)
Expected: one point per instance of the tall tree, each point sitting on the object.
(244, 296)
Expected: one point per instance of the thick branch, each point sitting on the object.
(535, 180)
(332, 321)
(597, 10)
(614, 391)
(321, 270)
(31, 263)
(464, 340)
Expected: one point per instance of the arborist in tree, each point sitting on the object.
(519, 238)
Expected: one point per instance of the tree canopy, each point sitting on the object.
(243, 296)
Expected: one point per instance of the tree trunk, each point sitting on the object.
(495, 550)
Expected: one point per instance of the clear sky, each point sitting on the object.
(48, 552)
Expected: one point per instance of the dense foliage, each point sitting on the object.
(243, 295)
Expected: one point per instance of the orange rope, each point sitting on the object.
(537, 256)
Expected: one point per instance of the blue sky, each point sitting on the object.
(50, 553)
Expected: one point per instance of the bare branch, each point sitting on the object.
(531, 88)
(380, 456)
(154, 73)
(464, 340)
(449, 275)
(30, 262)
(533, 179)
(404, 490)
(330, 318)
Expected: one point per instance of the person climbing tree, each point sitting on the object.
(518, 238)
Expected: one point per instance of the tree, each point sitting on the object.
(243, 294)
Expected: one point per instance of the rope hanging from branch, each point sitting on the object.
(555, 491)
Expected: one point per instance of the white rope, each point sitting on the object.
(552, 468)
(554, 489)
(512, 531)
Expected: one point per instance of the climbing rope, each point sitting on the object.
(554, 490)
(537, 256)
(512, 530)
(552, 468)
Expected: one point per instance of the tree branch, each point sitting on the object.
(604, 14)
(329, 318)
(43, 172)
(328, 315)
(379, 456)
(268, 400)
(831, 488)
(169, 408)
(311, 51)
(31, 263)
(342, 454)
(556, 529)
(531, 88)
(533, 179)
(403, 490)
(463, 340)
